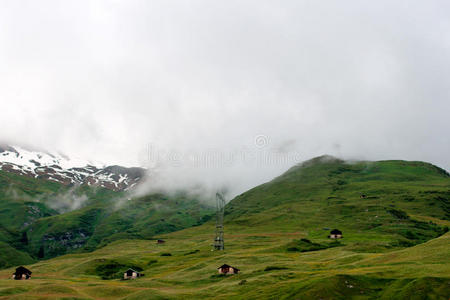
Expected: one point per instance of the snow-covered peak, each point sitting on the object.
(28, 158)
(60, 168)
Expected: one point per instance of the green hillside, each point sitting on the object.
(19, 207)
(98, 224)
(394, 216)
(38, 217)
(13, 257)
(382, 204)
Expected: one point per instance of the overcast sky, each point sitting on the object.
(227, 92)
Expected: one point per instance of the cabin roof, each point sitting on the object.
(227, 266)
(22, 270)
(130, 269)
(336, 231)
(224, 266)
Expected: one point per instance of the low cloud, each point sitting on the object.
(207, 83)
(66, 201)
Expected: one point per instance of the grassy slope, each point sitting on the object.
(26, 201)
(18, 195)
(18, 207)
(262, 223)
(334, 273)
(326, 193)
(100, 223)
(29, 224)
(13, 257)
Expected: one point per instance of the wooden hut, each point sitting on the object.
(227, 269)
(21, 273)
(160, 241)
(131, 274)
(335, 234)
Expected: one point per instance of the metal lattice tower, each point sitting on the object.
(220, 207)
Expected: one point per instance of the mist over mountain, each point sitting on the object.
(113, 81)
(202, 149)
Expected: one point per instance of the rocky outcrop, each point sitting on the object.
(59, 168)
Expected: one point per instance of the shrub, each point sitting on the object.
(111, 269)
(274, 268)
(218, 275)
(305, 245)
(152, 262)
(402, 243)
(399, 214)
(293, 249)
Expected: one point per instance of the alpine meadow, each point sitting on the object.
(192, 149)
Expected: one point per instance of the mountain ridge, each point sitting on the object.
(60, 168)
(394, 216)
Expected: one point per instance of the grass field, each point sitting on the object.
(419, 272)
(394, 216)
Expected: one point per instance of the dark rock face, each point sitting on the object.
(57, 244)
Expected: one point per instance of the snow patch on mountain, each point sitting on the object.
(68, 171)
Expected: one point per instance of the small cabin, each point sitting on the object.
(160, 241)
(363, 196)
(335, 234)
(226, 269)
(21, 273)
(131, 274)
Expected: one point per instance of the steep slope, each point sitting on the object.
(386, 199)
(100, 223)
(261, 227)
(46, 218)
(59, 168)
(20, 207)
(10, 256)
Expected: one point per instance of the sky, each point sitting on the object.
(226, 93)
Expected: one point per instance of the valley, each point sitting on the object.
(394, 216)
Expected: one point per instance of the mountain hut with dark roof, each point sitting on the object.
(335, 234)
(227, 269)
(21, 273)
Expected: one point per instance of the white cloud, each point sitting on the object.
(105, 79)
